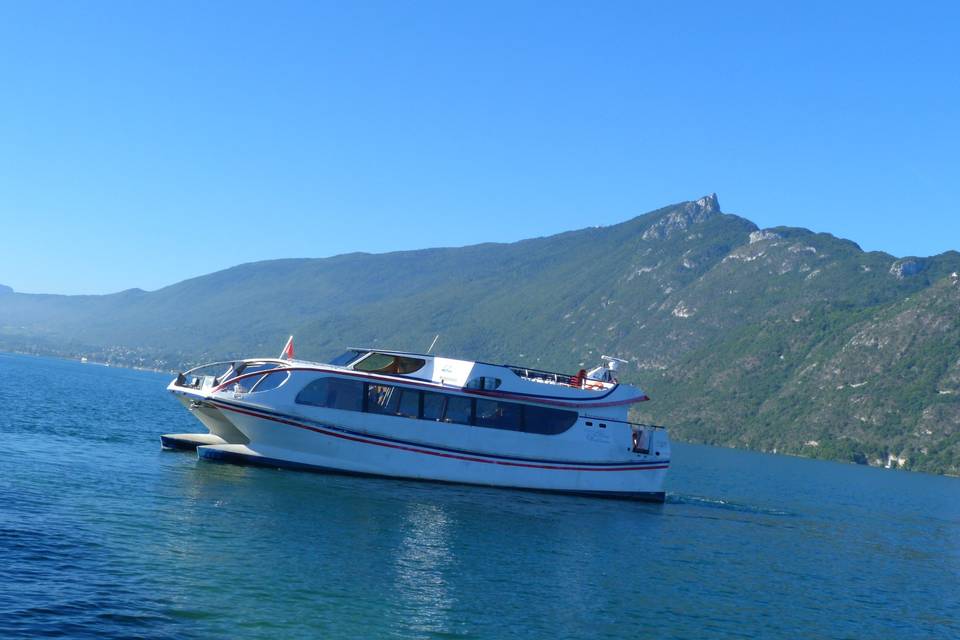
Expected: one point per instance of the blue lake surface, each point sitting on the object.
(104, 535)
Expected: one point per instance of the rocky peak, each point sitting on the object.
(907, 267)
(709, 203)
(763, 234)
(682, 217)
(5, 289)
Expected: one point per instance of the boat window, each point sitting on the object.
(458, 409)
(270, 381)
(333, 393)
(409, 404)
(386, 363)
(247, 384)
(395, 401)
(346, 358)
(499, 415)
(433, 406)
(378, 398)
(349, 395)
(443, 407)
(547, 421)
(484, 382)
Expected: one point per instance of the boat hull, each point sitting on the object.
(240, 454)
(279, 440)
(211, 417)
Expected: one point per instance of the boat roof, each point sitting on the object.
(414, 354)
(394, 352)
(473, 377)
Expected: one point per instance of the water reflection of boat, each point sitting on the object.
(409, 415)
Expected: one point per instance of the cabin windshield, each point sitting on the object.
(388, 363)
(253, 367)
(250, 382)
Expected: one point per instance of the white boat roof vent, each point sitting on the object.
(613, 363)
(606, 370)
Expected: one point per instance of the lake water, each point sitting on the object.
(104, 535)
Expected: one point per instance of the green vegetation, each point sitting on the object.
(781, 339)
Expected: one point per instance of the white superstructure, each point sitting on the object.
(408, 415)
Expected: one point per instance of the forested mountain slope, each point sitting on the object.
(777, 339)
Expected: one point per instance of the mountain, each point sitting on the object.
(778, 339)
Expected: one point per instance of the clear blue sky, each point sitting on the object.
(144, 143)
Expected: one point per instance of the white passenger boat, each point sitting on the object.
(408, 415)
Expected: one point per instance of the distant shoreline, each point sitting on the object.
(77, 359)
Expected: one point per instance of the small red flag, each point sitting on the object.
(287, 353)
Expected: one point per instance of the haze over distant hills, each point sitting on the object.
(776, 339)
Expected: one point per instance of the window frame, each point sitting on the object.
(255, 388)
(550, 416)
(396, 360)
(328, 379)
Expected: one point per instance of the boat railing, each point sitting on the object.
(644, 425)
(209, 364)
(551, 377)
(545, 376)
(212, 374)
(233, 363)
(205, 375)
(636, 426)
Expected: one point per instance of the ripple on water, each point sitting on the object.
(727, 505)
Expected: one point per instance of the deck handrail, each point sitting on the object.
(526, 372)
(632, 424)
(573, 380)
(209, 364)
(644, 425)
(234, 362)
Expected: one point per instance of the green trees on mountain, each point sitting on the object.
(780, 339)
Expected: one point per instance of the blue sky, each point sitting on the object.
(144, 143)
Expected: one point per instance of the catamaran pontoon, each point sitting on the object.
(408, 415)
